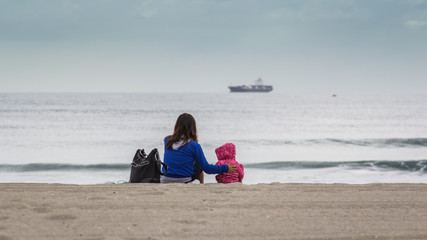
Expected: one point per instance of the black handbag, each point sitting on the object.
(146, 169)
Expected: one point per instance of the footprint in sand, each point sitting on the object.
(62, 217)
(41, 210)
(3, 237)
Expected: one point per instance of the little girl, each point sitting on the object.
(227, 154)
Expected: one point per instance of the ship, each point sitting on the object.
(257, 87)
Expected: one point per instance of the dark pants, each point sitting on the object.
(197, 172)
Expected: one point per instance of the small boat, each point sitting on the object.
(258, 87)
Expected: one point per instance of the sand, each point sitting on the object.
(213, 211)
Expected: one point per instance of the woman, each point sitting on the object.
(184, 155)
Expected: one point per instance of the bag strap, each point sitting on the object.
(166, 169)
(163, 164)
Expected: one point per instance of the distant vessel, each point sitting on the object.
(258, 87)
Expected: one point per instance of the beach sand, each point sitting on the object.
(213, 211)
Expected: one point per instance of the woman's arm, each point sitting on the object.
(203, 163)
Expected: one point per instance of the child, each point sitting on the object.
(227, 154)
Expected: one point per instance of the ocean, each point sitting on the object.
(90, 138)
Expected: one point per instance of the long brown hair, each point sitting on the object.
(185, 129)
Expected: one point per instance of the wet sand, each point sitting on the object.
(213, 211)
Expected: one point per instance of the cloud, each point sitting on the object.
(416, 23)
(418, 18)
(416, 2)
(320, 10)
(149, 13)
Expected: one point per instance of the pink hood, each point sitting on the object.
(226, 152)
(227, 155)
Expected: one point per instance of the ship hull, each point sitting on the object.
(251, 88)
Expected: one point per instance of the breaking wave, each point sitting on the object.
(411, 165)
(38, 167)
(415, 165)
(379, 143)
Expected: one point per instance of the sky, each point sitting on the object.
(298, 46)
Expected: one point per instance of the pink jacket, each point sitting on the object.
(227, 154)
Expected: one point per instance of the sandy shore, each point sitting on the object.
(213, 211)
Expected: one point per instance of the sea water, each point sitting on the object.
(90, 138)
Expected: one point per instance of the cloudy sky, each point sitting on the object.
(298, 46)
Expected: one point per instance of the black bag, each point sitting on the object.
(146, 169)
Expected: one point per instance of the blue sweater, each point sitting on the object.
(180, 162)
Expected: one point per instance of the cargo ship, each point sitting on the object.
(257, 87)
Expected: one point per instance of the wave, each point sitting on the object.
(393, 142)
(375, 142)
(409, 165)
(415, 165)
(38, 167)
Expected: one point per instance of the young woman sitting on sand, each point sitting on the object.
(184, 155)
